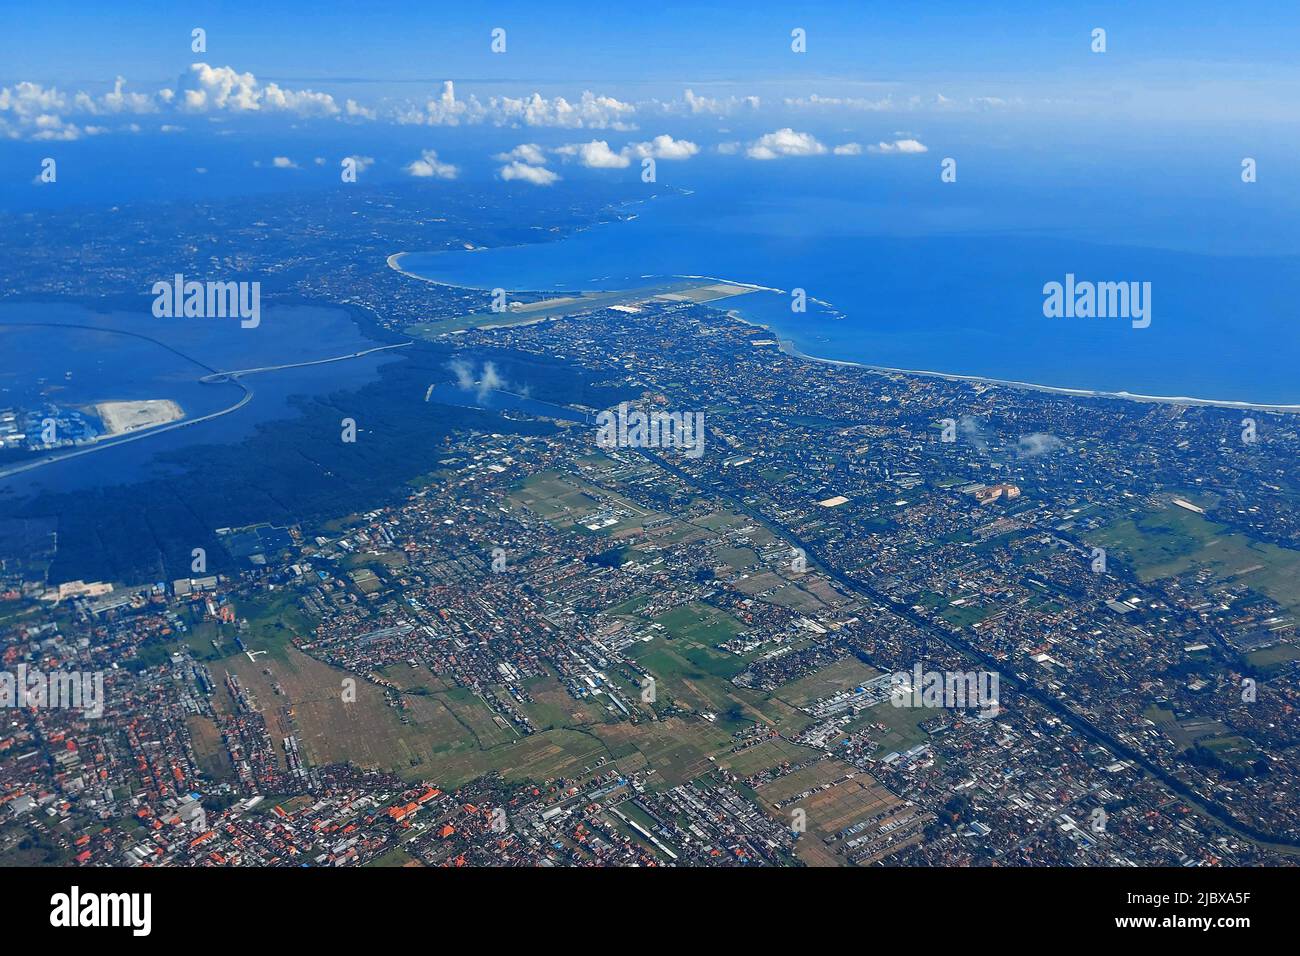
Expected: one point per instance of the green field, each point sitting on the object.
(701, 624)
(1172, 540)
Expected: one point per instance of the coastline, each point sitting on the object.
(788, 347)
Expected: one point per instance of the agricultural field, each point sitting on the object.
(1273, 659)
(566, 502)
(209, 750)
(832, 796)
(300, 695)
(700, 624)
(1173, 540)
(273, 623)
(843, 675)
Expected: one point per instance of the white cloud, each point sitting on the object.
(31, 111)
(899, 146)
(1038, 443)
(529, 153)
(446, 110)
(490, 381)
(116, 101)
(428, 166)
(29, 100)
(537, 175)
(362, 163)
(899, 102)
(862, 103)
(283, 162)
(848, 149)
(664, 147)
(698, 105)
(355, 109)
(784, 142)
(728, 149)
(220, 88)
(589, 112)
(595, 155)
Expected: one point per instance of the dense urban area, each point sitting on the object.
(478, 634)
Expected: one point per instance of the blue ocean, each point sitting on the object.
(900, 274)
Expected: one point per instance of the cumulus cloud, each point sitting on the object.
(357, 111)
(31, 99)
(118, 101)
(529, 153)
(590, 111)
(598, 155)
(31, 111)
(784, 142)
(537, 175)
(900, 146)
(445, 109)
(464, 373)
(428, 166)
(712, 106)
(848, 149)
(595, 155)
(362, 163)
(221, 89)
(490, 380)
(664, 147)
(283, 162)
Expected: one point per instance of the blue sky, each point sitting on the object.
(563, 42)
(1182, 93)
(1138, 146)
